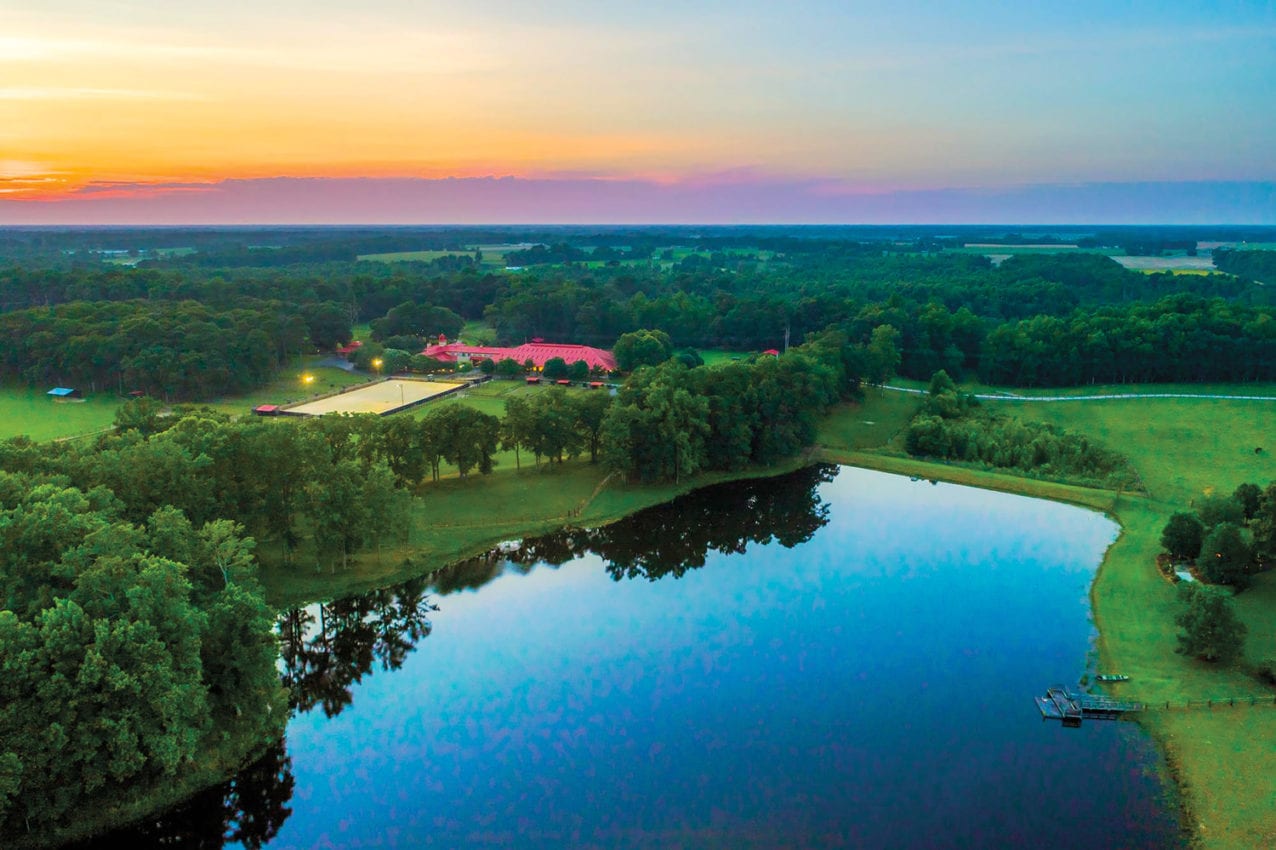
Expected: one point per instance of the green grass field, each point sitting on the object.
(493, 256)
(33, 413)
(289, 386)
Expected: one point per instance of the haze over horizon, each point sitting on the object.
(140, 112)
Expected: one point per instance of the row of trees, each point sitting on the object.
(1178, 338)
(952, 426)
(181, 350)
(953, 312)
(670, 422)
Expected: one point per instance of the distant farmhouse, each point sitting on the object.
(537, 351)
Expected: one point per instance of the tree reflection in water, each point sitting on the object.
(247, 810)
(327, 648)
(670, 539)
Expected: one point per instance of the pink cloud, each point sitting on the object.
(738, 197)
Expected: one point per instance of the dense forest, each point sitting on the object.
(190, 331)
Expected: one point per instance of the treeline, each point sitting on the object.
(1177, 338)
(1252, 265)
(362, 292)
(1033, 320)
(670, 422)
(952, 426)
(178, 350)
(128, 650)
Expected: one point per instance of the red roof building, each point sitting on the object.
(537, 352)
(349, 347)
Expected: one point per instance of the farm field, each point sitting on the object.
(1264, 390)
(493, 255)
(988, 249)
(1182, 447)
(1201, 265)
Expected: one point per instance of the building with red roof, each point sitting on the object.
(538, 352)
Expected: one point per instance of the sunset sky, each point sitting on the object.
(174, 111)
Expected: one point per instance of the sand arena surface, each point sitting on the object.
(376, 398)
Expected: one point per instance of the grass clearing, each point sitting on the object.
(989, 249)
(1182, 447)
(1166, 264)
(873, 423)
(493, 256)
(24, 410)
(288, 386)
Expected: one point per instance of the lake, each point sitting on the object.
(833, 658)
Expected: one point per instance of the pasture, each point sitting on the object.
(493, 255)
(290, 386)
(28, 411)
(1168, 264)
(1182, 447)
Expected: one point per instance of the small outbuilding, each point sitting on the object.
(65, 394)
(266, 410)
(533, 379)
(563, 382)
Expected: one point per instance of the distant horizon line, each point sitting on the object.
(528, 225)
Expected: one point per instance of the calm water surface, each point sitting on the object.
(836, 658)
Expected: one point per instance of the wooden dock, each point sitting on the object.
(1070, 709)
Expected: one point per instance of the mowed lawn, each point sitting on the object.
(290, 386)
(870, 424)
(32, 412)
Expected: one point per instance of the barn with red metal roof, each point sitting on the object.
(538, 352)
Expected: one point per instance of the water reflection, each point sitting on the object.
(247, 811)
(670, 539)
(328, 648)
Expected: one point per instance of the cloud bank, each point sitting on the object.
(509, 200)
